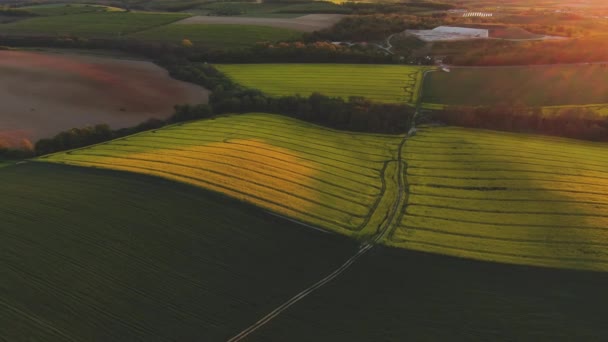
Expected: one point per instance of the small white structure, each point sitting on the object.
(477, 14)
(444, 33)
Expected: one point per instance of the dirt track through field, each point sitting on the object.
(386, 227)
(43, 93)
(306, 23)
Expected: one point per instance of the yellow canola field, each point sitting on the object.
(506, 197)
(328, 178)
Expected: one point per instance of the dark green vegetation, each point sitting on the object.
(396, 295)
(64, 9)
(131, 257)
(268, 10)
(98, 24)
(218, 36)
(528, 85)
(91, 255)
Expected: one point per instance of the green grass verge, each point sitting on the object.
(102, 24)
(528, 85)
(218, 36)
(382, 83)
(396, 295)
(98, 255)
(506, 197)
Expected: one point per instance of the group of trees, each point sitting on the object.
(373, 27)
(572, 122)
(80, 137)
(355, 113)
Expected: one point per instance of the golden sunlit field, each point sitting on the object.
(325, 177)
(506, 197)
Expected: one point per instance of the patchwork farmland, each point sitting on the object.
(382, 83)
(478, 194)
(336, 180)
(506, 197)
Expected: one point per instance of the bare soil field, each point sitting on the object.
(306, 23)
(44, 93)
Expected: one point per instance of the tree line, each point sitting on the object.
(354, 114)
(571, 122)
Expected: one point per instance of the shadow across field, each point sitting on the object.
(101, 255)
(398, 295)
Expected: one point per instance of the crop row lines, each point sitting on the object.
(238, 158)
(483, 150)
(481, 210)
(312, 127)
(516, 255)
(236, 129)
(163, 146)
(451, 219)
(506, 199)
(308, 129)
(223, 136)
(495, 238)
(440, 186)
(236, 140)
(204, 149)
(44, 284)
(210, 185)
(490, 170)
(240, 166)
(497, 143)
(507, 179)
(509, 162)
(231, 176)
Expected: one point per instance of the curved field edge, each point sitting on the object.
(506, 197)
(330, 179)
(129, 256)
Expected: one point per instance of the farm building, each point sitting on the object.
(443, 33)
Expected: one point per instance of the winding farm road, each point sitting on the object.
(386, 227)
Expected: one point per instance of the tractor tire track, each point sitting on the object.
(386, 228)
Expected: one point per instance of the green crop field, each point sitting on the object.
(133, 257)
(506, 197)
(63, 9)
(338, 180)
(100, 255)
(397, 295)
(382, 83)
(98, 24)
(528, 85)
(217, 35)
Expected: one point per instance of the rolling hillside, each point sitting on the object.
(337, 180)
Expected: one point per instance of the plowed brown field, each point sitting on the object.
(43, 93)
